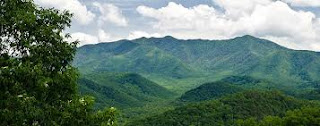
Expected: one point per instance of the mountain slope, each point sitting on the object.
(181, 65)
(122, 90)
(226, 110)
(209, 91)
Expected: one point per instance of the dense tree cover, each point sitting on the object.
(181, 65)
(209, 91)
(312, 94)
(133, 95)
(241, 80)
(228, 110)
(306, 116)
(211, 113)
(37, 81)
(234, 84)
(122, 90)
(249, 82)
(261, 103)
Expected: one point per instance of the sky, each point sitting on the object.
(294, 24)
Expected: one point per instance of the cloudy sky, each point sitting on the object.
(291, 23)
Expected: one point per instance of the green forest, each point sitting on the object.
(38, 84)
(46, 80)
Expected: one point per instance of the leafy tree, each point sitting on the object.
(37, 81)
(247, 122)
(306, 116)
(272, 121)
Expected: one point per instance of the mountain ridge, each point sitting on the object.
(121, 90)
(226, 110)
(173, 38)
(181, 65)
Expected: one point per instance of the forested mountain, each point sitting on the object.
(181, 65)
(229, 85)
(210, 91)
(228, 110)
(47, 79)
(121, 90)
(167, 81)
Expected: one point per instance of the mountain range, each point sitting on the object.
(156, 81)
(181, 65)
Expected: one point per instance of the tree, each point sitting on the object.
(38, 85)
(306, 116)
(247, 122)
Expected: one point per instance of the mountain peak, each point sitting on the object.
(247, 37)
(169, 37)
(156, 38)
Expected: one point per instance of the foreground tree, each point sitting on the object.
(37, 81)
(305, 116)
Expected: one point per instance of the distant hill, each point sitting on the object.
(226, 110)
(249, 82)
(234, 84)
(209, 91)
(122, 90)
(181, 65)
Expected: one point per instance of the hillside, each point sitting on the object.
(122, 90)
(226, 110)
(229, 85)
(209, 91)
(181, 65)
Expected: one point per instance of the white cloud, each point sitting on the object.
(84, 38)
(262, 18)
(175, 16)
(238, 8)
(103, 36)
(285, 41)
(278, 19)
(303, 3)
(111, 13)
(139, 34)
(81, 14)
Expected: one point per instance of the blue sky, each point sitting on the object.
(291, 23)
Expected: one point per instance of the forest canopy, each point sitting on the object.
(38, 85)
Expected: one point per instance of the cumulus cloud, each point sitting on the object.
(103, 36)
(139, 34)
(84, 38)
(111, 13)
(270, 19)
(237, 8)
(176, 16)
(81, 14)
(304, 3)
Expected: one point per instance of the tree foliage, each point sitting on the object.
(242, 108)
(305, 116)
(210, 91)
(37, 81)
